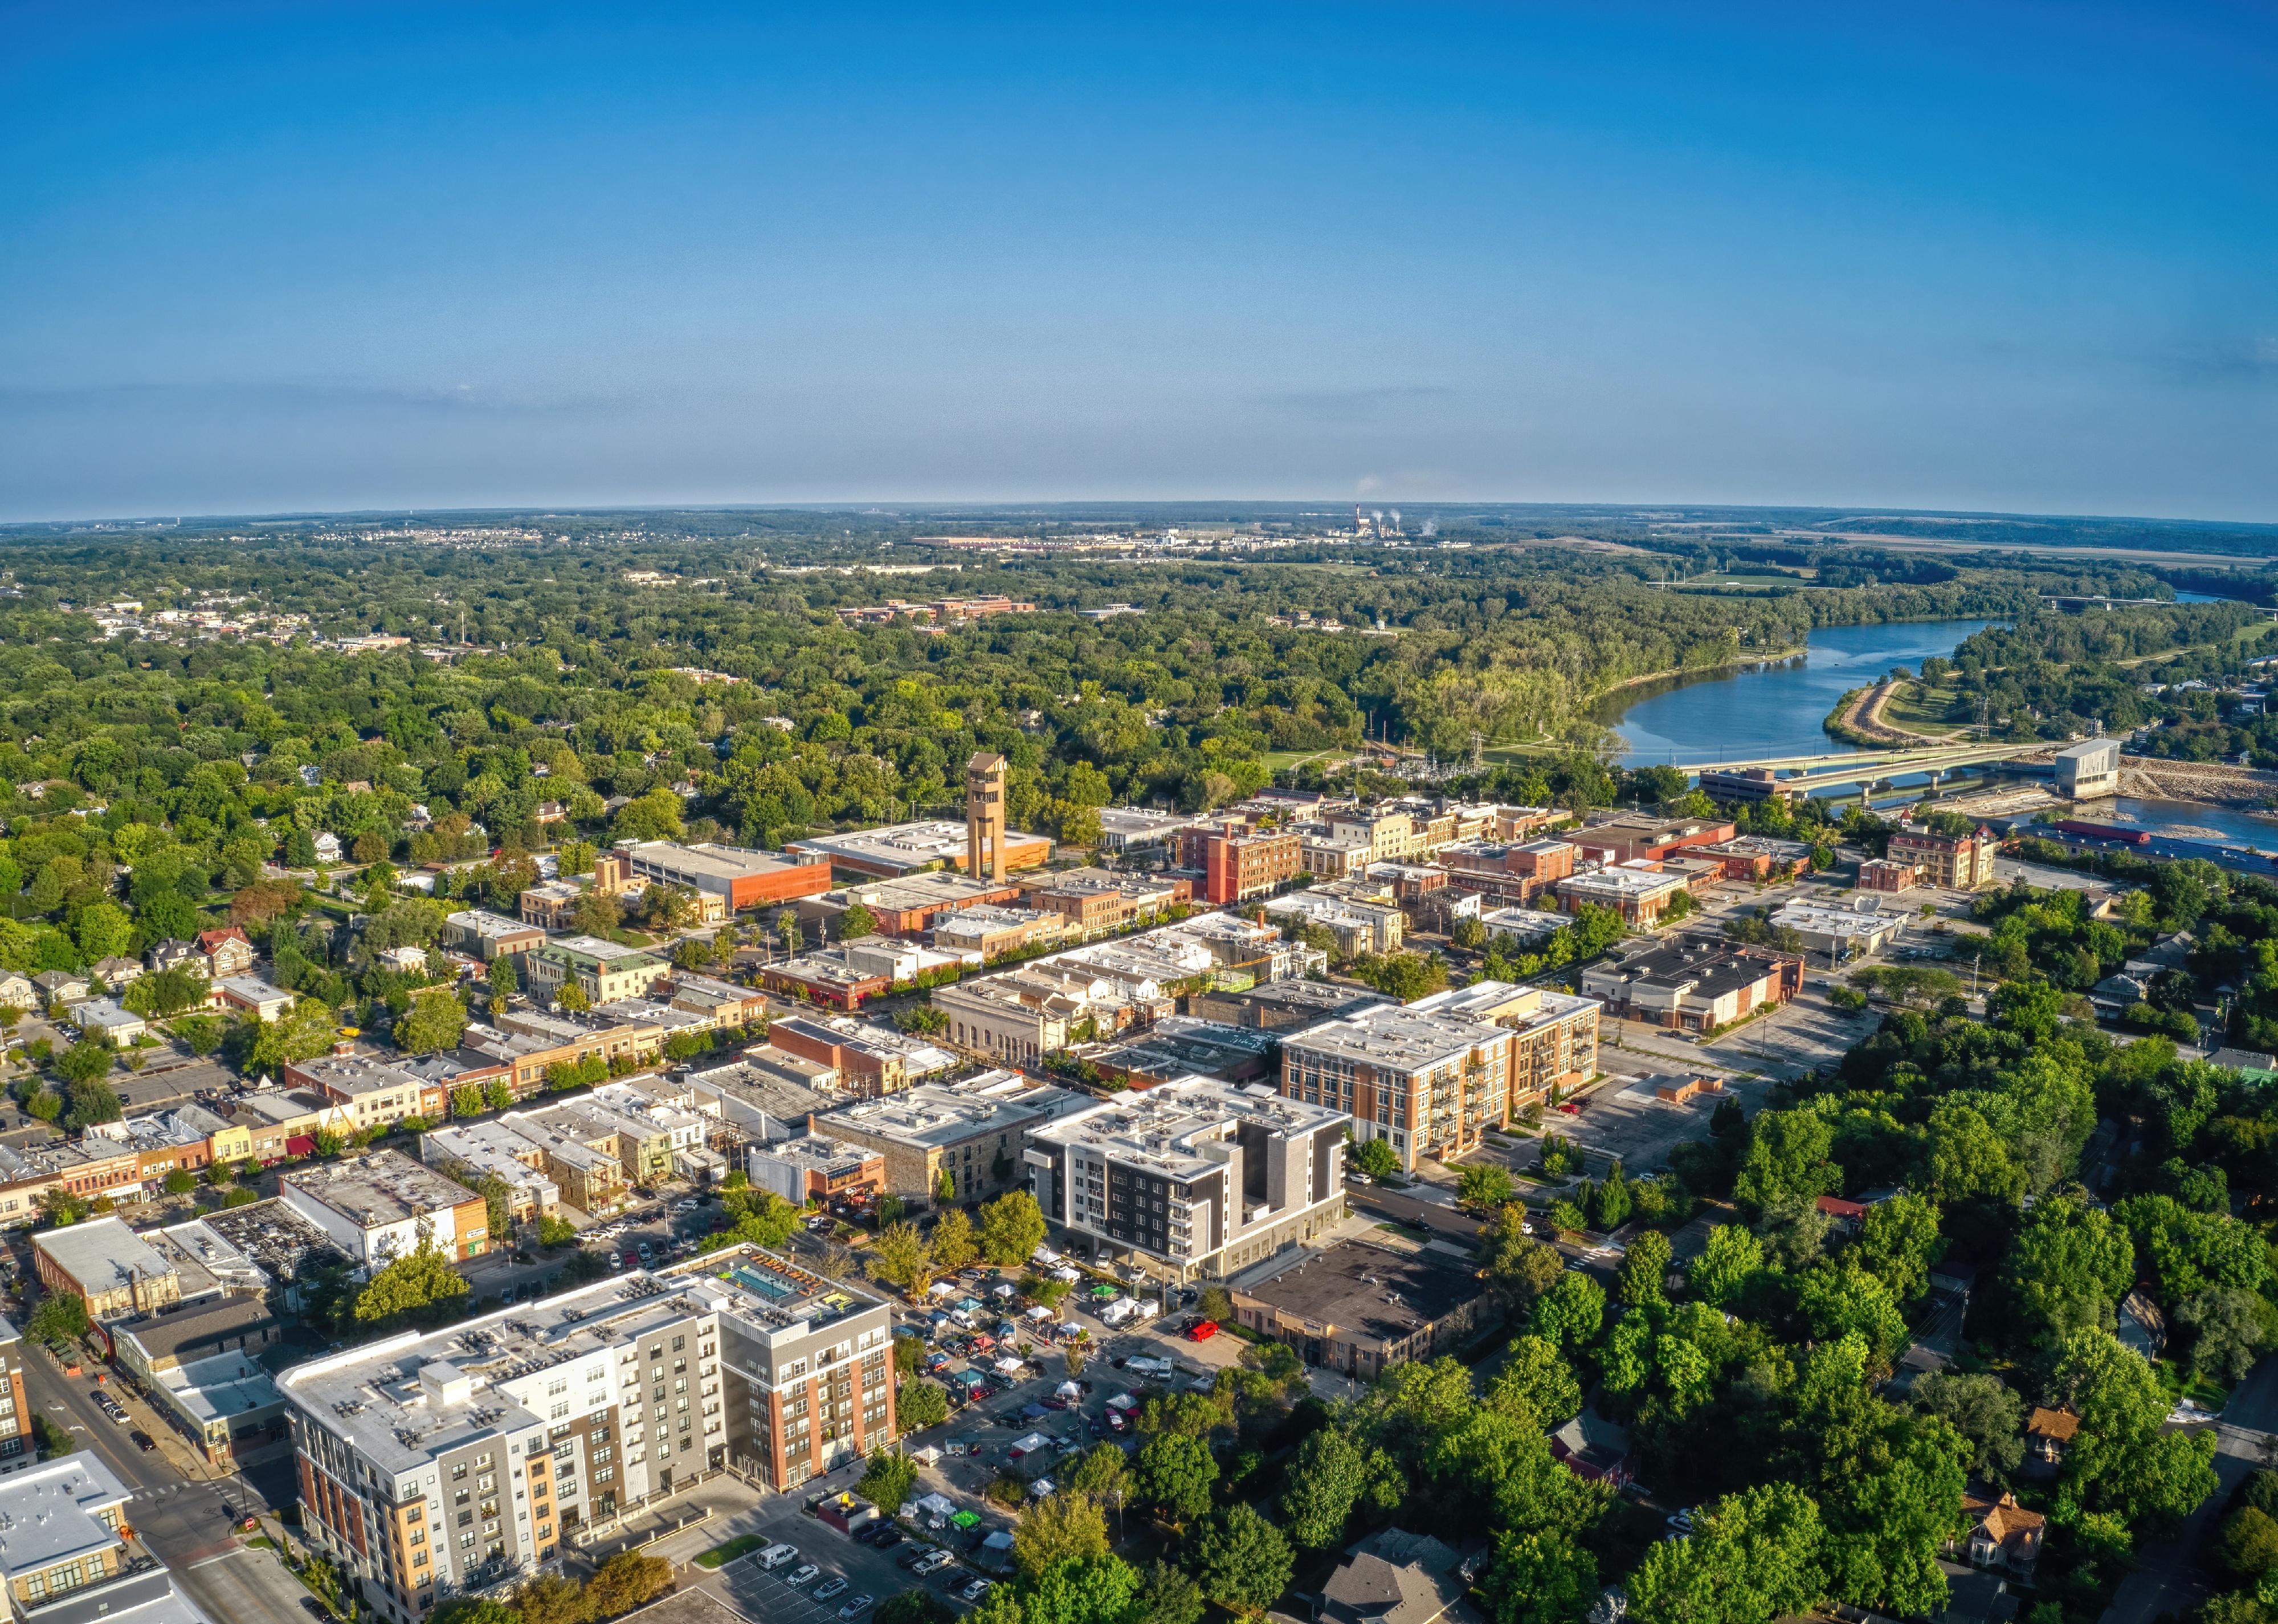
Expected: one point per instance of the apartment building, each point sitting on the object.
(433, 1464)
(641, 1144)
(814, 1167)
(1695, 983)
(738, 877)
(984, 933)
(1131, 829)
(970, 1131)
(107, 1266)
(1327, 857)
(380, 1206)
(473, 1151)
(1239, 860)
(905, 848)
(1956, 862)
(603, 977)
(1358, 927)
(1094, 902)
(869, 1060)
(550, 905)
(1641, 896)
(487, 936)
(1554, 1035)
(1389, 835)
(66, 1556)
(911, 904)
(1427, 1084)
(370, 1091)
(16, 1446)
(1757, 858)
(1193, 1180)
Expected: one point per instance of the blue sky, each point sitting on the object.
(258, 258)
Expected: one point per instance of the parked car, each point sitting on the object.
(143, 1441)
(974, 1590)
(803, 1574)
(775, 1556)
(1202, 1331)
(855, 1608)
(889, 1537)
(830, 1587)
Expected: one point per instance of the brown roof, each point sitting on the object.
(2003, 1519)
(2060, 1424)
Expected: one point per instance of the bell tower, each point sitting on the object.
(984, 816)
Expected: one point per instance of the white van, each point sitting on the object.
(775, 1556)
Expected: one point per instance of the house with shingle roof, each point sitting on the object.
(2002, 1534)
(1394, 1577)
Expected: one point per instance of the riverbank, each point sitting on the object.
(1773, 658)
(1857, 719)
(2243, 789)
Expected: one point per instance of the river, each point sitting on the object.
(1746, 713)
(1778, 708)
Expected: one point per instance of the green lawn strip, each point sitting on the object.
(739, 1547)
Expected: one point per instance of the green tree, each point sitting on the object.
(1484, 1187)
(1376, 1158)
(1788, 1158)
(888, 1481)
(549, 1598)
(952, 1240)
(1899, 1242)
(1732, 1258)
(1241, 1561)
(180, 1181)
(1570, 1314)
(2120, 1460)
(898, 1255)
(2229, 1329)
(1537, 1380)
(1987, 1413)
(1061, 1528)
(920, 1404)
(59, 1321)
(2067, 1268)
(1755, 1557)
(856, 922)
(1176, 1471)
(1517, 1267)
(1011, 1227)
(1325, 1483)
(84, 1061)
(1834, 1300)
(629, 1578)
(1644, 1269)
(1540, 1578)
(415, 1281)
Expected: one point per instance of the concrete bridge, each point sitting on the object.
(1872, 769)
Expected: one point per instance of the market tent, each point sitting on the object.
(1039, 1312)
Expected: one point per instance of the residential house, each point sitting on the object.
(227, 953)
(1395, 1577)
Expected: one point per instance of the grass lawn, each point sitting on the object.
(739, 1547)
(1921, 709)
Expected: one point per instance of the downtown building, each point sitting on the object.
(437, 1463)
(1427, 1083)
(1195, 1180)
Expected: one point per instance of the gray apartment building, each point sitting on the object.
(1196, 1179)
(433, 1463)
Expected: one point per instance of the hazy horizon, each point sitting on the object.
(2020, 259)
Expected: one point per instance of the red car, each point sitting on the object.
(1203, 1331)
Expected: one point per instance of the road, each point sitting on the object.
(186, 1524)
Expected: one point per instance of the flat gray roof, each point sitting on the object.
(102, 1254)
